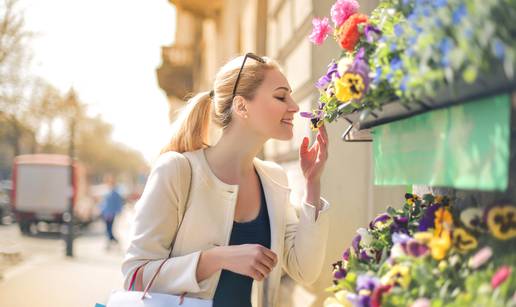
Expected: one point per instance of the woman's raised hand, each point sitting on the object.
(313, 159)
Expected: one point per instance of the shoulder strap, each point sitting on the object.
(186, 170)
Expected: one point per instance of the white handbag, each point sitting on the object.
(131, 298)
(123, 298)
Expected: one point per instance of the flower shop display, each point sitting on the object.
(416, 52)
(405, 58)
(430, 253)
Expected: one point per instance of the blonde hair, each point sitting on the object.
(190, 129)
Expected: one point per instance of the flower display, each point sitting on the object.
(407, 49)
(396, 261)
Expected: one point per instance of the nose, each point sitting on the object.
(295, 107)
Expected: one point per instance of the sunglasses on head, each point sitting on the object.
(247, 55)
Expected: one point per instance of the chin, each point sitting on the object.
(282, 136)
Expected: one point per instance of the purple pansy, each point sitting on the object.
(361, 67)
(400, 238)
(316, 117)
(345, 255)
(367, 282)
(415, 248)
(427, 221)
(364, 256)
(323, 82)
(340, 273)
(359, 300)
(382, 218)
(356, 243)
(371, 33)
(400, 224)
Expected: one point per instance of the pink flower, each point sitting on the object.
(320, 30)
(421, 302)
(480, 257)
(342, 9)
(500, 276)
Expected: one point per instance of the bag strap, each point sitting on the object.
(133, 278)
(186, 168)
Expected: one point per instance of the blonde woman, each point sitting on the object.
(239, 230)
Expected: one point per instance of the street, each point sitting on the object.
(34, 271)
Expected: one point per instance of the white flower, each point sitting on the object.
(366, 238)
(397, 251)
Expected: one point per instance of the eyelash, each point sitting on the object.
(281, 98)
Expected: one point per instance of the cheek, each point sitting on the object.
(271, 112)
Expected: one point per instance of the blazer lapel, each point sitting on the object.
(277, 197)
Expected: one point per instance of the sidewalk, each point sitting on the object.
(45, 277)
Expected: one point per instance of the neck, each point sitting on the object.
(233, 155)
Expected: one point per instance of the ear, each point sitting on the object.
(240, 106)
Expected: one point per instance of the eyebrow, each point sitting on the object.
(284, 88)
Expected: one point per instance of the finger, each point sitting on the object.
(325, 133)
(321, 141)
(322, 151)
(271, 255)
(264, 270)
(268, 262)
(304, 145)
(324, 136)
(256, 274)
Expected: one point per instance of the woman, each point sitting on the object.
(239, 230)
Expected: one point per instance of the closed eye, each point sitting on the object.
(280, 98)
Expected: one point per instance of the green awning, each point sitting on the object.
(465, 146)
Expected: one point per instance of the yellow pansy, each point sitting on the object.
(501, 221)
(464, 241)
(443, 220)
(398, 275)
(423, 237)
(439, 245)
(349, 86)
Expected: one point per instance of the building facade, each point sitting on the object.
(209, 33)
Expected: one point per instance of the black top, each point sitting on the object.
(234, 290)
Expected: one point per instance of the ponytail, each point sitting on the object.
(190, 129)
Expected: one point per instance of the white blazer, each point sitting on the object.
(299, 242)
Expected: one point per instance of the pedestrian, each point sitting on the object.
(240, 229)
(110, 206)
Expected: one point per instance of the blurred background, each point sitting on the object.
(101, 81)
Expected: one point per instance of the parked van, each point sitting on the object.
(41, 191)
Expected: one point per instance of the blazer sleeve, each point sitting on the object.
(305, 241)
(154, 226)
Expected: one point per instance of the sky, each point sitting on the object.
(108, 51)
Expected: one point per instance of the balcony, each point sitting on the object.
(175, 75)
(200, 8)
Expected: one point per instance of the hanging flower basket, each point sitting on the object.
(413, 56)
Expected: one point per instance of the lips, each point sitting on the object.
(287, 121)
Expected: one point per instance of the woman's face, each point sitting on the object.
(272, 110)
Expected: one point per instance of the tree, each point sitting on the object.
(14, 59)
